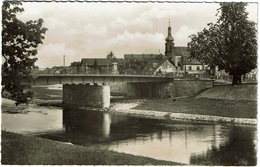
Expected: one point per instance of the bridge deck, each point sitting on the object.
(50, 79)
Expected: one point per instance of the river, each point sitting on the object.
(192, 143)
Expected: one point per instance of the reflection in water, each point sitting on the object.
(171, 145)
(185, 142)
(106, 124)
(240, 149)
(87, 122)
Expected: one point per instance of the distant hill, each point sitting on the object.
(238, 92)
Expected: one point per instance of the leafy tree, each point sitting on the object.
(110, 56)
(19, 46)
(114, 59)
(95, 66)
(230, 44)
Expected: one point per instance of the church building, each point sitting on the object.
(177, 56)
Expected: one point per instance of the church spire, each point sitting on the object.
(169, 37)
(169, 44)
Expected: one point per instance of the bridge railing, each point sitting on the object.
(64, 71)
(101, 75)
(91, 72)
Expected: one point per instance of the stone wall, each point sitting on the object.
(181, 88)
(161, 90)
(86, 95)
(118, 88)
(177, 88)
(139, 90)
(136, 89)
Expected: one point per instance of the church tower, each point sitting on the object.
(169, 44)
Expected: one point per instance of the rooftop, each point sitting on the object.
(100, 61)
(143, 56)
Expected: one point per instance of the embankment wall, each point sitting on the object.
(177, 88)
(182, 88)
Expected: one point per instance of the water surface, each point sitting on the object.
(164, 139)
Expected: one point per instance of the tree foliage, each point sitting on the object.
(110, 57)
(230, 43)
(95, 66)
(19, 46)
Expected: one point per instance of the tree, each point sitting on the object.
(95, 66)
(114, 59)
(19, 46)
(110, 56)
(230, 43)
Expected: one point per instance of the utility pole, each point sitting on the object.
(185, 68)
(64, 60)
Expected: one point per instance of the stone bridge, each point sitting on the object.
(93, 90)
(50, 79)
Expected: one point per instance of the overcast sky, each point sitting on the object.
(88, 30)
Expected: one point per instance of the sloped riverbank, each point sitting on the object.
(247, 92)
(227, 104)
(38, 151)
(145, 108)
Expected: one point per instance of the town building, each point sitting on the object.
(100, 65)
(140, 64)
(74, 67)
(163, 67)
(56, 70)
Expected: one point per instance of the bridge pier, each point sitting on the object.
(97, 96)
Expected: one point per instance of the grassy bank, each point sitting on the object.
(203, 106)
(44, 93)
(24, 150)
(238, 101)
(226, 101)
(231, 92)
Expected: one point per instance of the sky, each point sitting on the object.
(91, 30)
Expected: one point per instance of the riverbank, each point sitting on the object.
(230, 104)
(8, 106)
(192, 109)
(227, 104)
(38, 151)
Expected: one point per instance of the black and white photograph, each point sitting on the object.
(140, 83)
